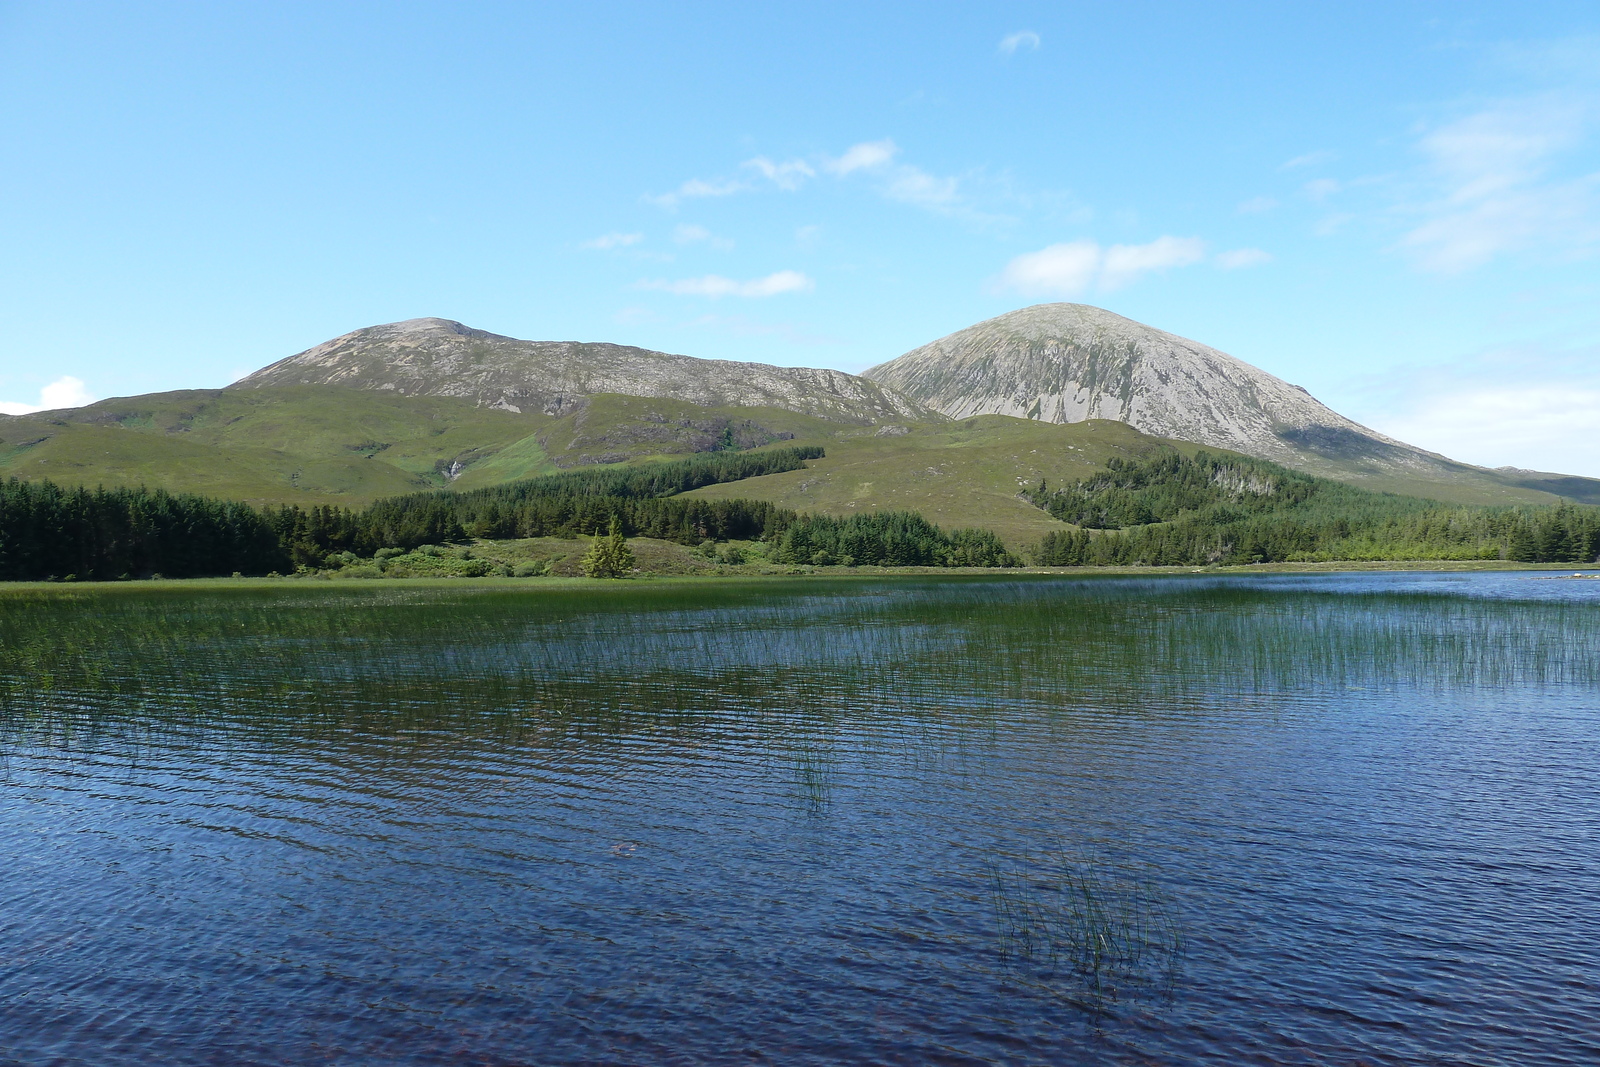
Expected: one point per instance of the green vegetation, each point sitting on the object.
(642, 500)
(46, 531)
(610, 557)
(299, 444)
(953, 473)
(1160, 507)
(887, 539)
(1202, 509)
(49, 532)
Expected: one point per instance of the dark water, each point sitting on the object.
(1335, 819)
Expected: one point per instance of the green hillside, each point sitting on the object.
(325, 444)
(963, 473)
(300, 444)
(311, 444)
(1203, 508)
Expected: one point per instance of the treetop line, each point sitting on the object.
(1165, 509)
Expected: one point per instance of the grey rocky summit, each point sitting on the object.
(1072, 362)
(440, 357)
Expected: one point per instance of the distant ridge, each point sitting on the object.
(441, 357)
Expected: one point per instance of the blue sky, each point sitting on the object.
(1395, 205)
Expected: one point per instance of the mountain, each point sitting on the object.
(1066, 363)
(440, 357)
(431, 403)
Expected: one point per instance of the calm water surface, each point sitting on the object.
(1332, 819)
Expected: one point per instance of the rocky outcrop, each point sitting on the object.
(439, 357)
(1071, 362)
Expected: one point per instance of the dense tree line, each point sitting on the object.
(886, 539)
(571, 504)
(1177, 510)
(663, 478)
(47, 531)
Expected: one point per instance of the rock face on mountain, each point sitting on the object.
(1071, 362)
(439, 357)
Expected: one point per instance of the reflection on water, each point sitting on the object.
(1290, 819)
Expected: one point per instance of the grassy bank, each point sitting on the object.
(664, 565)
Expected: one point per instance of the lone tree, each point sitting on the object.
(609, 557)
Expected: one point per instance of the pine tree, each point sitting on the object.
(610, 556)
(621, 554)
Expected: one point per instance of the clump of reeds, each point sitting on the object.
(1084, 927)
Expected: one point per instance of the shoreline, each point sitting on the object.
(804, 572)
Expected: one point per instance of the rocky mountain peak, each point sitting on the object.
(1071, 362)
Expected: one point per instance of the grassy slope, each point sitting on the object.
(318, 444)
(964, 473)
(614, 428)
(1458, 483)
(302, 444)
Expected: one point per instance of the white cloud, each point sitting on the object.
(1011, 42)
(901, 181)
(695, 188)
(64, 392)
(689, 233)
(1124, 263)
(614, 240)
(789, 175)
(1072, 268)
(1491, 191)
(1060, 270)
(714, 285)
(868, 155)
(1257, 205)
(1310, 159)
(896, 181)
(1242, 257)
(1548, 427)
(808, 236)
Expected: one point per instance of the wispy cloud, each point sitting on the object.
(901, 182)
(876, 162)
(1257, 205)
(1072, 268)
(1492, 187)
(1240, 258)
(696, 188)
(64, 392)
(868, 155)
(609, 241)
(1310, 159)
(715, 285)
(912, 185)
(789, 175)
(1011, 43)
(1322, 188)
(689, 234)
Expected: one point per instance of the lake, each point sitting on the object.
(1348, 819)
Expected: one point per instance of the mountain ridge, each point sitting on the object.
(443, 357)
(433, 403)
